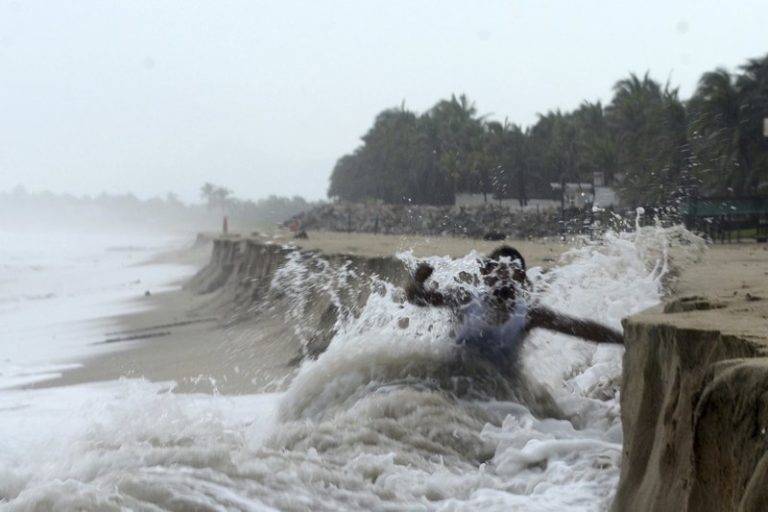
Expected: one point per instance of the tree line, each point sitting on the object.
(272, 209)
(22, 209)
(651, 146)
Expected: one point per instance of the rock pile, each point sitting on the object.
(470, 221)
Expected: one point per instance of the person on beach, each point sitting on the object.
(496, 319)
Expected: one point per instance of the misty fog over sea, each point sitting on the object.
(39, 213)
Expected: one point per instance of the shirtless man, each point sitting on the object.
(497, 319)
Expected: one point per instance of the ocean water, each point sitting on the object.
(388, 418)
(59, 290)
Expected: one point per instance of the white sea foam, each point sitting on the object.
(377, 422)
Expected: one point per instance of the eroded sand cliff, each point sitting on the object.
(242, 270)
(695, 391)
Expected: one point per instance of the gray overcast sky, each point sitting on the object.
(262, 97)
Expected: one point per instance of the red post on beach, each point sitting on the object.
(224, 227)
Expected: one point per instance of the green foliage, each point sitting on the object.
(728, 129)
(649, 129)
(647, 142)
(215, 197)
(273, 209)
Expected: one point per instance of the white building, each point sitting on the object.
(581, 194)
(576, 195)
(605, 197)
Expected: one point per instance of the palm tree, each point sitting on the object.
(753, 86)
(595, 149)
(459, 134)
(718, 129)
(517, 162)
(648, 123)
(215, 196)
(728, 112)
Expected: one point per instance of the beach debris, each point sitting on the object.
(494, 236)
(692, 303)
(136, 337)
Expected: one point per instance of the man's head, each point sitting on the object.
(503, 269)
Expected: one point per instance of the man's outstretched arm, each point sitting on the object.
(545, 318)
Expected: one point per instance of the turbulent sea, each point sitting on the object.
(386, 419)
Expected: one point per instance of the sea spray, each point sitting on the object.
(372, 356)
(376, 422)
(306, 277)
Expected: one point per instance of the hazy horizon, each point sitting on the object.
(262, 98)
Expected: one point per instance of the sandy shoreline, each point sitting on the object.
(180, 339)
(730, 284)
